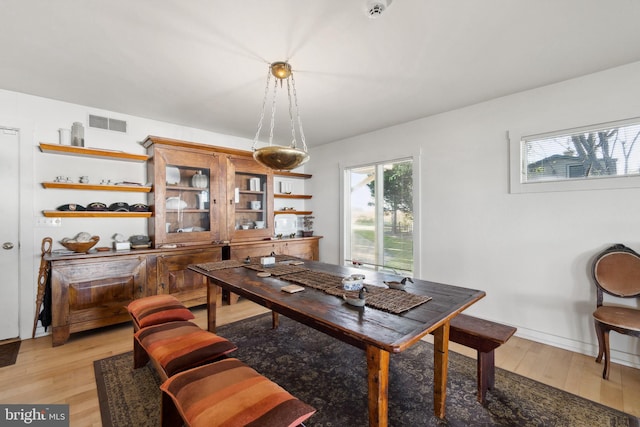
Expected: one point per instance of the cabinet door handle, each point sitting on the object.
(214, 201)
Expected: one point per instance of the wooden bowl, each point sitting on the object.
(81, 247)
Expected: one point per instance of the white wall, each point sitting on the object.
(530, 252)
(39, 120)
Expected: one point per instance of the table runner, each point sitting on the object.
(392, 300)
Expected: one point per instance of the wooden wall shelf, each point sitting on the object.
(292, 196)
(292, 174)
(97, 187)
(71, 150)
(294, 212)
(96, 214)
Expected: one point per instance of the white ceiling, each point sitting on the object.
(203, 63)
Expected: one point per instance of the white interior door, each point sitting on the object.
(9, 243)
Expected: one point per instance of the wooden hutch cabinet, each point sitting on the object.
(203, 199)
(233, 202)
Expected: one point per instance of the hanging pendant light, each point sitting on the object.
(281, 157)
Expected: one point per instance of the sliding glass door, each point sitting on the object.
(379, 216)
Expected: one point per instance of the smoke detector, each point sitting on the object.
(375, 8)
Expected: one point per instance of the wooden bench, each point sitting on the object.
(484, 336)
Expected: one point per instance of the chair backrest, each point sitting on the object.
(616, 271)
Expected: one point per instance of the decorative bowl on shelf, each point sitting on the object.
(80, 247)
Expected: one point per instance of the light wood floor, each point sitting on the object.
(64, 374)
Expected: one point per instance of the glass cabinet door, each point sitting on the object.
(186, 196)
(187, 199)
(251, 207)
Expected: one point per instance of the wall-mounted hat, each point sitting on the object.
(119, 207)
(71, 207)
(96, 206)
(139, 207)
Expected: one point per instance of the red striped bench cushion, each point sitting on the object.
(181, 345)
(156, 309)
(229, 393)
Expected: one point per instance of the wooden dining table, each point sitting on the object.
(378, 332)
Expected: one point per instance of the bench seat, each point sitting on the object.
(229, 393)
(483, 336)
(177, 346)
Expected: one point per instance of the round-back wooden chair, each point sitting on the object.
(616, 272)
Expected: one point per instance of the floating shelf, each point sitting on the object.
(97, 187)
(294, 212)
(292, 196)
(96, 214)
(92, 152)
(292, 174)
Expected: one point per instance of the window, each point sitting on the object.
(379, 216)
(577, 158)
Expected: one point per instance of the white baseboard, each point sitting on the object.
(622, 358)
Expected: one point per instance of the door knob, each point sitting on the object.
(7, 245)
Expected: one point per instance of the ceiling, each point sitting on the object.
(203, 63)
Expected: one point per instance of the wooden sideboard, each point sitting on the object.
(92, 290)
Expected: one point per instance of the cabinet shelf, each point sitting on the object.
(71, 150)
(96, 214)
(250, 210)
(187, 210)
(97, 187)
(292, 196)
(185, 188)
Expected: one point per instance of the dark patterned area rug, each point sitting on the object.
(9, 353)
(331, 376)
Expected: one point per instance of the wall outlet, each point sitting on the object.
(44, 221)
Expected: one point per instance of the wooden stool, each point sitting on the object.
(177, 346)
(156, 309)
(229, 393)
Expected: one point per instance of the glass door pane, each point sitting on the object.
(187, 199)
(380, 216)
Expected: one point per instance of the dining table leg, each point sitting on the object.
(213, 292)
(440, 368)
(378, 382)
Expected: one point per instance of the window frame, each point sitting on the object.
(517, 167)
(345, 198)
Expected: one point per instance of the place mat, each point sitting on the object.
(220, 265)
(392, 300)
(279, 258)
(315, 279)
(277, 269)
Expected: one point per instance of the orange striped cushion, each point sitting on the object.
(181, 345)
(156, 309)
(229, 393)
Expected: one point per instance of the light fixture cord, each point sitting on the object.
(293, 127)
(273, 111)
(264, 105)
(295, 98)
(291, 87)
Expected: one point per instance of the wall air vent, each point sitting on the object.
(106, 123)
